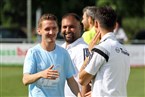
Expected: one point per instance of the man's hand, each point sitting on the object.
(79, 95)
(88, 94)
(50, 73)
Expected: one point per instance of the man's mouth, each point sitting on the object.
(68, 35)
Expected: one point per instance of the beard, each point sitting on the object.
(69, 39)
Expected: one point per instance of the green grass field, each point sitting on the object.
(11, 82)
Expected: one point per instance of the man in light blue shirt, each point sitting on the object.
(47, 65)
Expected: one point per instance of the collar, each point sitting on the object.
(108, 35)
(72, 44)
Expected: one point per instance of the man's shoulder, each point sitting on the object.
(81, 43)
(35, 47)
(63, 45)
(33, 50)
(61, 48)
(86, 33)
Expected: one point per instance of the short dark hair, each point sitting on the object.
(73, 15)
(47, 16)
(106, 16)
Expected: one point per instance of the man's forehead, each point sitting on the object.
(69, 22)
(50, 22)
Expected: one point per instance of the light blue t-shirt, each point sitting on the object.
(38, 59)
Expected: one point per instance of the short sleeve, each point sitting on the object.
(98, 57)
(29, 63)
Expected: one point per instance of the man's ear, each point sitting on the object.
(38, 31)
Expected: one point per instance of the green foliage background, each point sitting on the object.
(133, 25)
(14, 12)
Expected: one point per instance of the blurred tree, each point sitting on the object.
(13, 12)
(126, 8)
(131, 11)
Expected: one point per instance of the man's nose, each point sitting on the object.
(67, 29)
(51, 32)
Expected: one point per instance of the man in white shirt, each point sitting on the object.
(71, 30)
(109, 66)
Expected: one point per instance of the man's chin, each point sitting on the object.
(69, 41)
(51, 41)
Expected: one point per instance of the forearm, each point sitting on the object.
(74, 86)
(75, 90)
(47, 73)
(84, 64)
(85, 89)
(30, 78)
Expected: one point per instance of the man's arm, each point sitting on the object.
(74, 86)
(86, 88)
(48, 73)
(84, 78)
(30, 78)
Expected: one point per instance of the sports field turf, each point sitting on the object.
(11, 82)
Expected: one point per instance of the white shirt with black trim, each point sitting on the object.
(109, 63)
(76, 50)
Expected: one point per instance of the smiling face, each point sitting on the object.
(70, 29)
(48, 31)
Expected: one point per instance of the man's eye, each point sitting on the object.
(64, 27)
(54, 28)
(47, 29)
(72, 26)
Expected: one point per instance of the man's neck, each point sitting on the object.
(103, 32)
(91, 26)
(48, 46)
